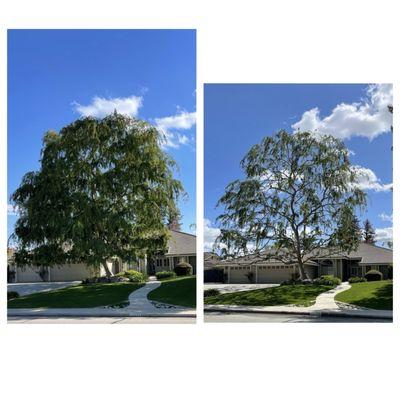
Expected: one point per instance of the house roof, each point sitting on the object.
(371, 254)
(365, 254)
(181, 243)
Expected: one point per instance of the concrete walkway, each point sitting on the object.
(324, 305)
(139, 306)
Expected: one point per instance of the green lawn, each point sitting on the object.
(81, 296)
(376, 295)
(179, 291)
(301, 295)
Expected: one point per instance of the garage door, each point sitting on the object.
(70, 272)
(238, 274)
(274, 274)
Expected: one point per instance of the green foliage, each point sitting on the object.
(165, 275)
(105, 188)
(357, 279)
(298, 198)
(368, 232)
(183, 269)
(12, 295)
(329, 280)
(211, 292)
(133, 276)
(373, 275)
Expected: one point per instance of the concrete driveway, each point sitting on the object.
(238, 287)
(23, 289)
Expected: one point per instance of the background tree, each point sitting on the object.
(298, 197)
(105, 188)
(368, 232)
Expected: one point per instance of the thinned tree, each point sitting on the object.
(105, 188)
(297, 201)
(368, 232)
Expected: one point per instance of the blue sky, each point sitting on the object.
(238, 116)
(57, 76)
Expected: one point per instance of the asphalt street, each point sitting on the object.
(100, 320)
(217, 317)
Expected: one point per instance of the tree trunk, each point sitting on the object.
(302, 271)
(106, 269)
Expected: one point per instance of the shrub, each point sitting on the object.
(328, 280)
(356, 279)
(373, 275)
(165, 275)
(133, 276)
(211, 292)
(12, 295)
(183, 269)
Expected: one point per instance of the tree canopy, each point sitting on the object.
(368, 232)
(298, 197)
(105, 188)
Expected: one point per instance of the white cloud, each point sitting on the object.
(12, 210)
(368, 118)
(170, 125)
(386, 217)
(367, 180)
(210, 234)
(384, 234)
(100, 107)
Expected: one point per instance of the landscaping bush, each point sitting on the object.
(133, 276)
(12, 295)
(328, 280)
(373, 275)
(211, 292)
(183, 269)
(165, 275)
(356, 279)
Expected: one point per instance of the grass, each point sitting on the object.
(81, 296)
(180, 291)
(300, 295)
(376, 295)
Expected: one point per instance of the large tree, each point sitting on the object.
(368, 232)
(297, 201)
(105, 188)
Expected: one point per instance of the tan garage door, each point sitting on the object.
(274, 274)
(70, 272)
(238, 274)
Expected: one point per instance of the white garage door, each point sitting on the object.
(274, 274)
(238, 274)
(28, 274)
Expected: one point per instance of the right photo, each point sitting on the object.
(298, 203)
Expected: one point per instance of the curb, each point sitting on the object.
(98, 315)
(312, 313)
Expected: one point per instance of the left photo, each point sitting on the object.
(101, 176)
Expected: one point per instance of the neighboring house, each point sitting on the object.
(210, 259)
(343, 265)
(181, 247)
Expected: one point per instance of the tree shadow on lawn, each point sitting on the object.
(380, 299)
(80, 296)
(282, 295)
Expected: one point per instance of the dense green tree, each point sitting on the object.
(105, 188)
(298, 197)
(368, 232)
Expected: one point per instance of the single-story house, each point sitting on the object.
(181, 247)
(343, 265)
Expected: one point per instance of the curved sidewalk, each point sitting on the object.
(325, 305)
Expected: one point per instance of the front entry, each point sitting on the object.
(151, 267)
(345, 271)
